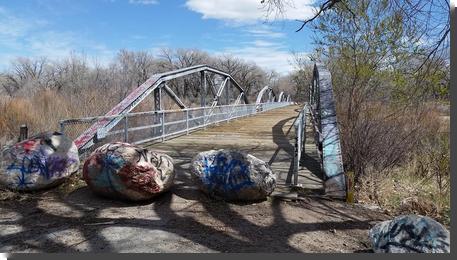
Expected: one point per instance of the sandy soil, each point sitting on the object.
(181, 220)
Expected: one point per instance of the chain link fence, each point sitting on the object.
(156, 126)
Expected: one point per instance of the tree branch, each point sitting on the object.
(324, 7)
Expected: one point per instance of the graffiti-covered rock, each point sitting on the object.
(410, 234)
(233, 175)
(125, 171)
(40, 162)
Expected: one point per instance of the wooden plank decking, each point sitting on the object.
(268, 136)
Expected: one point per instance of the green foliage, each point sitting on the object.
(374, 52)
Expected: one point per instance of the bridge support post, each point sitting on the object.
(203, 89)
(157, 107)
(227, 97)
(163, 126)
(203, 93)
(126, 129)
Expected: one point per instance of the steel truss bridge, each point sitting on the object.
(309, 157)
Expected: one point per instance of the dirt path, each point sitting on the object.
(182, 220)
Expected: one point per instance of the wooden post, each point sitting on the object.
(23, 133)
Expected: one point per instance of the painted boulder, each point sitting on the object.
(40, 162)
(125, 171)
(232, 175)
(410, 234)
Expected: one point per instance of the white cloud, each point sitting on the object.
(144, 2)
(265, 33)
(28, 37)
(246, 11)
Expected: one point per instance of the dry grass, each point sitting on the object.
(421, 185)
(403, 192)
(43, 110)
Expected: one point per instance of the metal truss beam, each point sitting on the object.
(101, 127)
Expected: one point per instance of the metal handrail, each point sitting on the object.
(300, 138)
(221, 113)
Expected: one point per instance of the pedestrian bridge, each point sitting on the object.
(299, 141)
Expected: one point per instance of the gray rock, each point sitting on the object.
(125, 171)
(40, 162)
(410, 234)
(233, 175)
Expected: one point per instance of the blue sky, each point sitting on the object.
(99, 28)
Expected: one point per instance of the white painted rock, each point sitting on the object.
(40, 162)
(233, 175)
(125, 171)
(410, 234)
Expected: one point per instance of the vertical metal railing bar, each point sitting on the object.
(126, 129)
(300, 141)
(187, 121)
(226, 113)
(163, 126)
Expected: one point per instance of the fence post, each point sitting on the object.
(23, 133)
(299, 147)
(126, 129)
(187, 121)
(204, 118)
(296, 148)
(305, 112)
(163, 126)
(62, 127)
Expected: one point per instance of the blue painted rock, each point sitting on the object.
(410, 234)
(40, 162)
(232, 175)
(125, 171)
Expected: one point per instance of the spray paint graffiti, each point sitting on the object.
(39, 162)
(222, 173)
(410, 234)
(233, 175)
(122, 170)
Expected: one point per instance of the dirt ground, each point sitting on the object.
(181, 220)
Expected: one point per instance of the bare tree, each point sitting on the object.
(248, 75)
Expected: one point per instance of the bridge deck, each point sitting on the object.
(268, 136)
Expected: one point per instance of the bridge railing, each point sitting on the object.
(300, 139)
(150, 126)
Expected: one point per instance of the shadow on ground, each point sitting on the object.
(184, 220)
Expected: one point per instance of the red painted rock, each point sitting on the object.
(40, 162)
(125, 171)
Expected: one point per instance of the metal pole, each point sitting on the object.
(296, 156)
(157, 107)
(163, 126)
(227, 86)
(126, 129)
(203, 89)
(204, 118)
(187, 121)
(300, 130)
